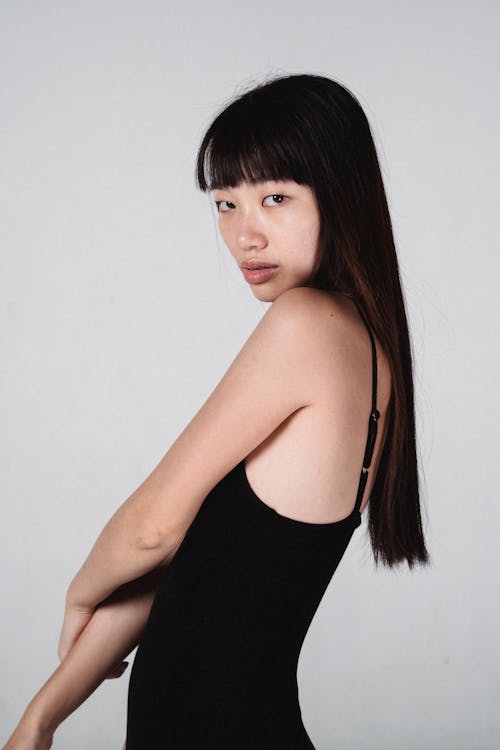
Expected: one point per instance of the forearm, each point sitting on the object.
(113, 631)
(122, 553)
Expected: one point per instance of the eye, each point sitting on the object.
(222, 210)
(275, 197)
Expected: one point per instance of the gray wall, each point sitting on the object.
(121, 309)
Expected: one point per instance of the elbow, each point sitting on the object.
(159, 544)
(150, 538)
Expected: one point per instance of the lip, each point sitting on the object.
(258, 276)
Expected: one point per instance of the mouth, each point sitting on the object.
(255, 266)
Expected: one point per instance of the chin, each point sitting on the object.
(268, 292)
(264, 295)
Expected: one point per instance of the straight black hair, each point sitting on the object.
(312, 130)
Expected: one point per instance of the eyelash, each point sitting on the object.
(271, 195)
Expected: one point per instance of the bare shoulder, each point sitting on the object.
(309, 305)
(295, 328)
(320, 320)
(330, 332)
(311, 313)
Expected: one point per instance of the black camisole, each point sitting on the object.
(216, 665)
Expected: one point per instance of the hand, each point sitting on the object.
(75, 620)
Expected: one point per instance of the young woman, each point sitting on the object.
(217, 563)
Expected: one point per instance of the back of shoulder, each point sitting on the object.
(309, 316)
(321, 334)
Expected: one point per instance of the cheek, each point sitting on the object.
(226, 238)
(307, 244)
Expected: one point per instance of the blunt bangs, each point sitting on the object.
(255, 139)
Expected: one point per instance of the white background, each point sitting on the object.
(121, 309)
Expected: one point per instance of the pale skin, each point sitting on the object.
(304, 401)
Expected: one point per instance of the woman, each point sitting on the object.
(217, 563)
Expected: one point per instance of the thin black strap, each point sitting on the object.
(372, 422)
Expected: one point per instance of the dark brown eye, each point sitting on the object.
(224, 210)
(276, 196)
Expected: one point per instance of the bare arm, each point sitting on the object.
(112, 633)
(269, 380)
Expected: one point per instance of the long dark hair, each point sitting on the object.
(312, 130)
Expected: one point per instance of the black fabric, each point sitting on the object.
(216, 667)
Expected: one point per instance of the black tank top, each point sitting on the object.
(216, 666)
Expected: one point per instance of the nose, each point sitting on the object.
(249, 234)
